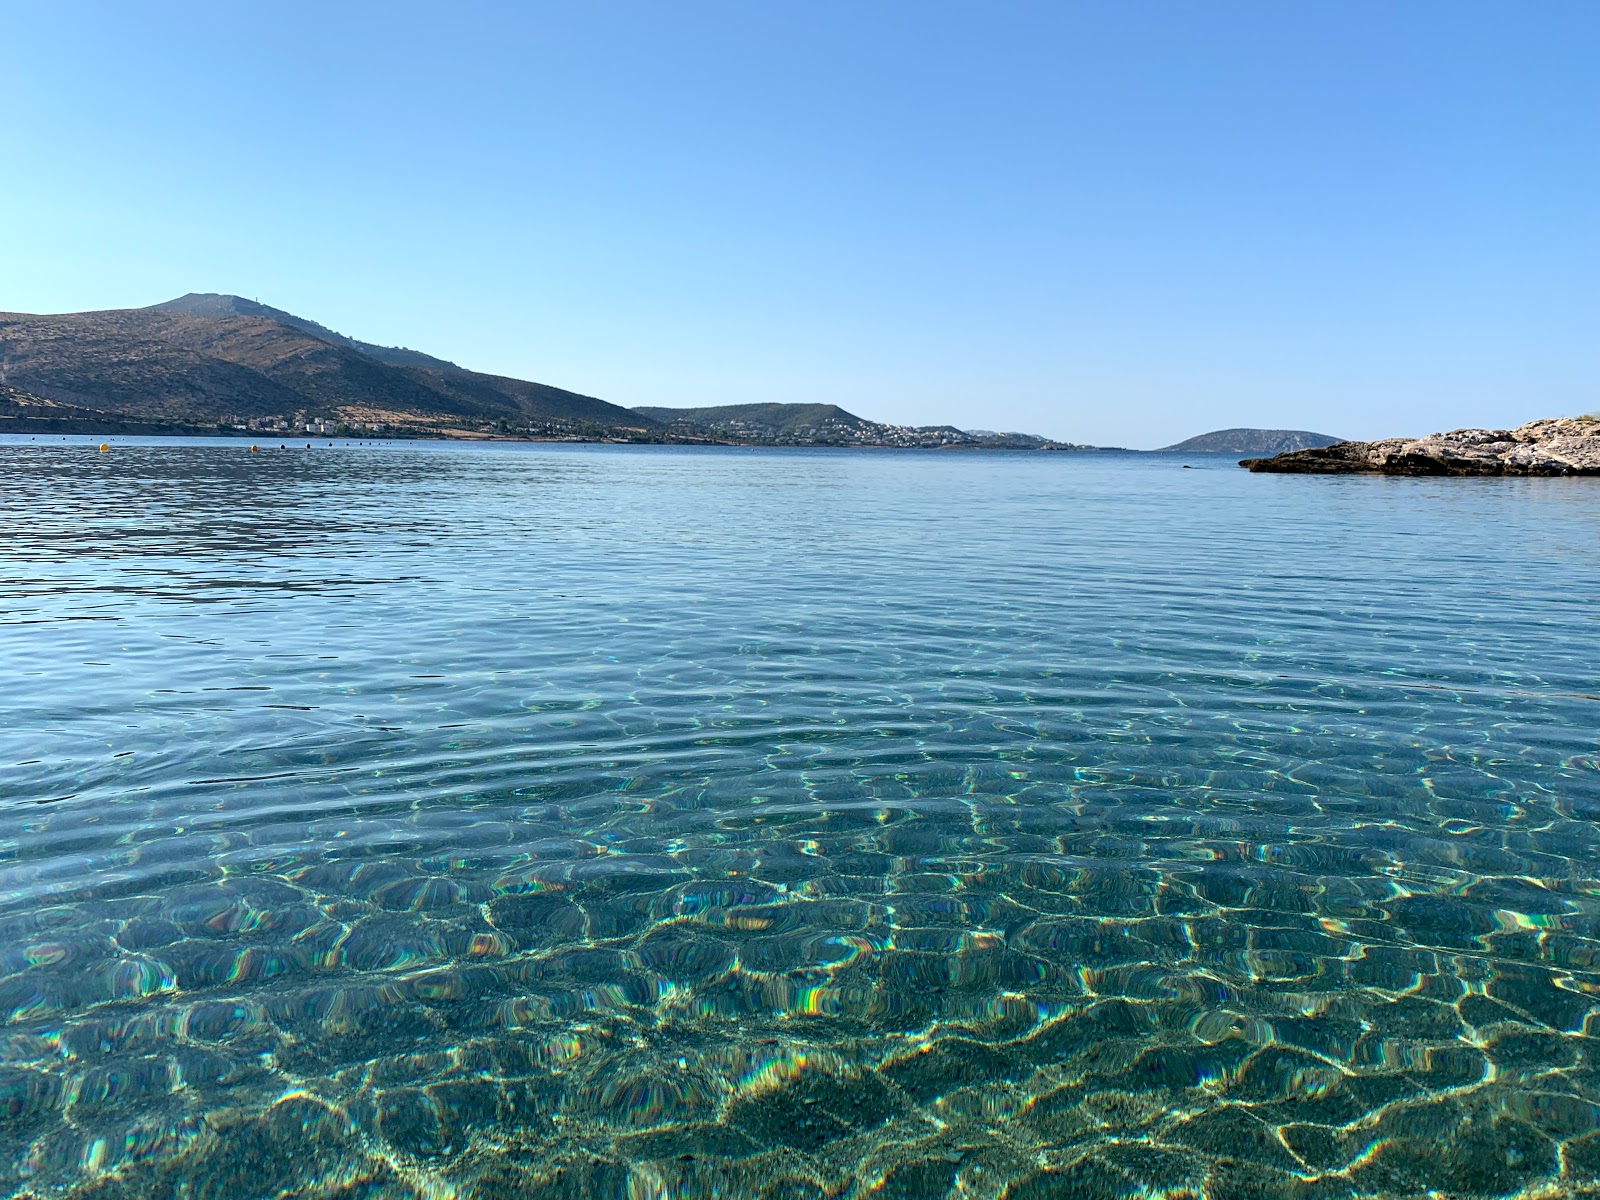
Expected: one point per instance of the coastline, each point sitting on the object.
(59, 427)
(1550, 446)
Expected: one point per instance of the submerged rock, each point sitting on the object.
(1554, 446)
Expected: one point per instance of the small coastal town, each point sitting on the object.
(841, 430)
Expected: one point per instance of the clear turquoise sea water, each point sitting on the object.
(449, 821)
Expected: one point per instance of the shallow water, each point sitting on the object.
(439, 820)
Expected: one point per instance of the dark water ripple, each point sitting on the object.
(440, 821)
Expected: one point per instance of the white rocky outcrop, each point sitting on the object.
(1552, 446)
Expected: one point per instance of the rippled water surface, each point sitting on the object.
(489, 822)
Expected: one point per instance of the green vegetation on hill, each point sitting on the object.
(830, 425)
(772, 420)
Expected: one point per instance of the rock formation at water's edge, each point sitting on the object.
(1554, 446)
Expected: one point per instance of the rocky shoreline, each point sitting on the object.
(1554, 446)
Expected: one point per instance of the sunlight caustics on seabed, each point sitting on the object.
(438, 820)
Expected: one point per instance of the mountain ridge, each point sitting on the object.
(222, 304)
(829, 425)
(208, 360)
(1247, 440)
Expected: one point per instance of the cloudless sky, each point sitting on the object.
(1121, 222)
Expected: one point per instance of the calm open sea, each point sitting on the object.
(425, 820)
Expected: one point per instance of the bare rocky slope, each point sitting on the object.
(214, 304)
(208, 361)
(1554, 446)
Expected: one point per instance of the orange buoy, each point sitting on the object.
(104, 447)
(255, 450)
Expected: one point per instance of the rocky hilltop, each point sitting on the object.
(210, 363)
(1554, 446)
(220, 307)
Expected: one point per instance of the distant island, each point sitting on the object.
(1252, 441)
(208, 363)
(1554, 446)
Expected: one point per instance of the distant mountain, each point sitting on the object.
(999, 440)
(830, 425)
(209, 360)
(1254, 441)
(767, 421)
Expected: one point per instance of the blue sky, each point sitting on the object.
(1120, 222)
